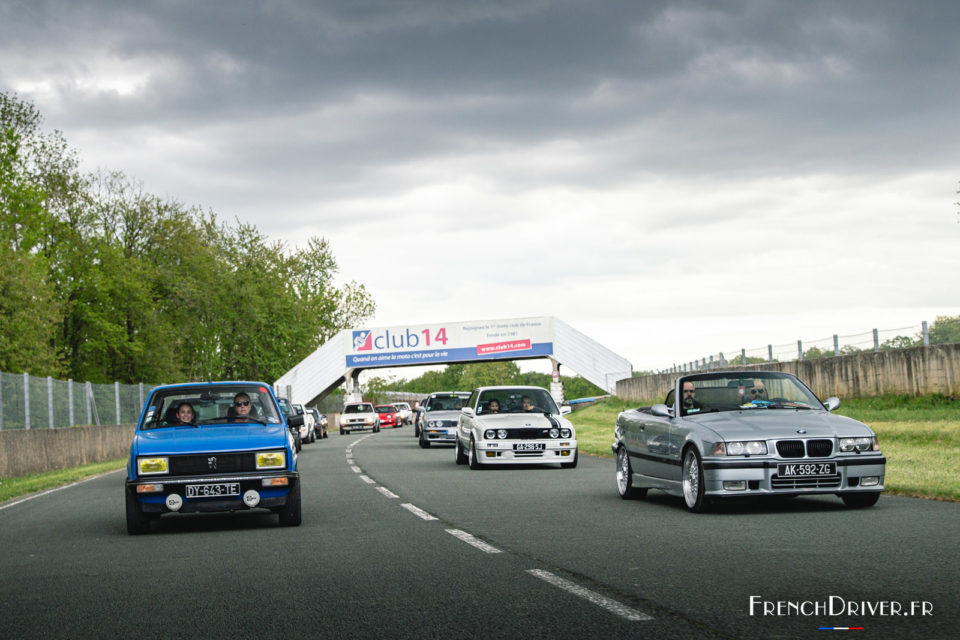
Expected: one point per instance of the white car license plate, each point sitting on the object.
(803, 469)
(528, 446)
(213, 490)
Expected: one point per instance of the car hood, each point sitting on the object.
(761, 424)
(442, 415)
(183, 440)
(519, 420)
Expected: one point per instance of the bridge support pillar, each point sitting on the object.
(352, 383)
(556, 387)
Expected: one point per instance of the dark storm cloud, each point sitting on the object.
(676, 87)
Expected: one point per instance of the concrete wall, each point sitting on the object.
(914, 371)
(26, 451)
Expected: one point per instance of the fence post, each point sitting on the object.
(800, 350)
(140, 406)
(116, 395)
(876, 341)
(1, 402)
(926, 334)
(70, 401)
(743, 356)
(769, 353)
(711, 362)
(50, 400)
(88, 393)
(26, 400)
(836, 345)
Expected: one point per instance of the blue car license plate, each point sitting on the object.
(805, 469)
(213, 490)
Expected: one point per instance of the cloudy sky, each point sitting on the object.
(674, 179)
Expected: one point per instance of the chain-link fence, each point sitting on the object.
(835, 345)
(31, 402)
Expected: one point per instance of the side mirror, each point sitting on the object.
(833, 402)
(661, 410)
(467, 411)
(566, 410)
(295, 422)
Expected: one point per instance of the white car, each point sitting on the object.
(357, 416)
(406, 413)
(514, 425)
(307, 433)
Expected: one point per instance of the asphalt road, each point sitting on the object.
(512, 553)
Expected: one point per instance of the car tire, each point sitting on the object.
(572, 464)
(472, 458)
(692, 474)
(313, 436)
(137, 521)
(290, 514)
(423, 442)
(376, 429)
(860, 500)
(459, 455)
(298, 443)
(625, 477)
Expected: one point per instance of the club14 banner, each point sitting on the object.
(451, 342)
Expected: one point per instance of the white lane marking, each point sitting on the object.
(420, 513)
(469, 539)
(387, 492)
(591, 596)
(368, 480)
(355, 468)
(66, 486)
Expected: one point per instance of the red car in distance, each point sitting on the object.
(389, 416)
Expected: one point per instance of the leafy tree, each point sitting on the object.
(900, 342)
(945, 329)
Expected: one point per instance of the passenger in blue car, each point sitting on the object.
(186, 414)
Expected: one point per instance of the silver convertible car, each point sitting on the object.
(726, 434)
(514, 425)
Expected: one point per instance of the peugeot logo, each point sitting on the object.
(212, 463)
(801, 430)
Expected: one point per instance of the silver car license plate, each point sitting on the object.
(213, 490)
(528, 446)
(805, 469)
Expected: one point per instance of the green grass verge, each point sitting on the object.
(920, 437)
(15, 487)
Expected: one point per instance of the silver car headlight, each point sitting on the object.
(859, 444)
(554, 433)
(740, 448)
(502, 434)
(433, 423)
(489, 434)
(565, 433)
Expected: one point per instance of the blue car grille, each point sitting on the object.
(212, 463)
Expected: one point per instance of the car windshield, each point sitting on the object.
(447, 403)
(521, 400)
(358, 408)
(704, 393)
(387, 409)
(402, 405)
(210, 405)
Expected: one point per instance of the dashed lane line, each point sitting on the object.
(598, 599)
(469, 539)
(417, 511)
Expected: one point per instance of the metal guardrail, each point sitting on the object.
(875, 340)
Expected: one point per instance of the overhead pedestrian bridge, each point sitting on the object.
(341, 359)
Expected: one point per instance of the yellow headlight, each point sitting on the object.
(148, 466)
(271, 460)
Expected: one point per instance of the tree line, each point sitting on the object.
(469, 376)
(103, 281)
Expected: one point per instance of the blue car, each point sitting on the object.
(214, 446)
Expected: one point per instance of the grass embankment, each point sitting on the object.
(919, 436)
(14, 487)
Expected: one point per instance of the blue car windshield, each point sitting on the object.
(210, 405)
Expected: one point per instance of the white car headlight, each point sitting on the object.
(554, 433)
(565, 433)
(502, 434)
(746, 448)
(489, 434)
(859, 444)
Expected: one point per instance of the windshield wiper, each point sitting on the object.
(235, 420)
